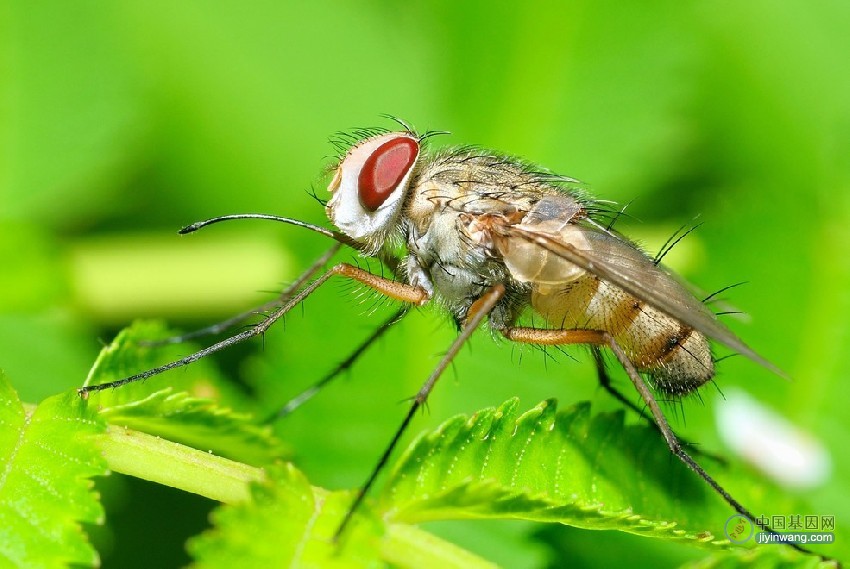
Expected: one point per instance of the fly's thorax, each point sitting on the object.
(457, 200)
(473, 181)
(447, 192)
(369, 187)
(456, 270)
(677, 357)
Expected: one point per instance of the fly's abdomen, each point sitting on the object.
(676, 356)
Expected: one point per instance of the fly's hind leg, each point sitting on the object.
(605, 381)
(599, 338)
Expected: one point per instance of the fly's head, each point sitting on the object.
(369, 187)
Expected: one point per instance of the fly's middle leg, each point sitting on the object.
(479, 310)
(345, 364)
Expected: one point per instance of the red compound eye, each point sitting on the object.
(384, 169)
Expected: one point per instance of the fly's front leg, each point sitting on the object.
(598, 338)
(393, 289)
(282, 298)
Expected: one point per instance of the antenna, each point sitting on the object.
(335, 235)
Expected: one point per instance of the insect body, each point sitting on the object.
(472, 220)
(487, 237)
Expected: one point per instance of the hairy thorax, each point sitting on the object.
(443, 258)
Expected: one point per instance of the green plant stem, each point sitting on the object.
(410, 547)
(152, 458)
(172, 464)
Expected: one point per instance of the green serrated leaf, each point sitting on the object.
(199, 423)
(176, 415)
(571, 467)
(46, 459)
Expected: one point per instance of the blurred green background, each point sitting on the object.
(121, 122)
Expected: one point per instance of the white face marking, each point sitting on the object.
(346, 210)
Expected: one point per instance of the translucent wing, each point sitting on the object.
(547, 249)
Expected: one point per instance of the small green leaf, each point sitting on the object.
(289, 523)
(286, 523)
(176, 415)
(46, 459)
(571, 467)
(762, 557)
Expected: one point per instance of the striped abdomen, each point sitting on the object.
(572, 268)
(675, 355)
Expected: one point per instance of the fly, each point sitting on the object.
(487, 237)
